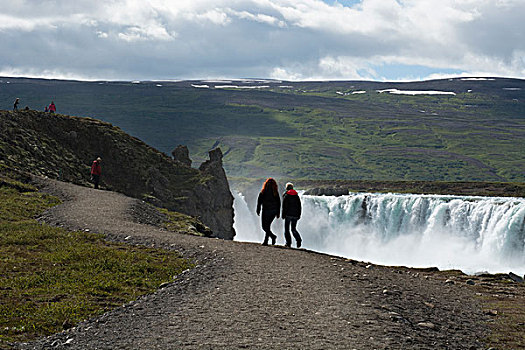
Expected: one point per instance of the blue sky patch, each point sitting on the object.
(410, 72)
(345, 3)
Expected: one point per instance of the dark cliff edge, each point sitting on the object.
(63, 147)
(459, 188)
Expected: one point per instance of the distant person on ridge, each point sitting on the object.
(291, 214)
(96, 171)
(270, 202)
(46, 109)
(52, 107)
(15, 105)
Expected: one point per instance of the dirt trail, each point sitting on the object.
(244, 295)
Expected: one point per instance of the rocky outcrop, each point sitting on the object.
(216, 192)
(327, 191)
(181, 155)
(63, 147)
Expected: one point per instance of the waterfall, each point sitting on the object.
(473, 234)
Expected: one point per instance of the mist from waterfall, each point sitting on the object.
(473, 234)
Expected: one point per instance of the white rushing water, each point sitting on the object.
(473, 234)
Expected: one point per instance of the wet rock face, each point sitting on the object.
(181, 155)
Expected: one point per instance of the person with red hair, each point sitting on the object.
(270, 202)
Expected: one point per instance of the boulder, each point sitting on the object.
(515, 277)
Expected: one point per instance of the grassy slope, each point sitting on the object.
(310, 131)
(51, 279)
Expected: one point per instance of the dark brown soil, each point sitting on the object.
(244, 295)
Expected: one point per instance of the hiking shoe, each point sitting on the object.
(274, 237)
(299, 244)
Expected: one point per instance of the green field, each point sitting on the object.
(314, 130)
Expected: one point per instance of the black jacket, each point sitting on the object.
(291, 204)
(271, 205)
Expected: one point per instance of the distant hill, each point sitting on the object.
(474, 130)
(63, 147)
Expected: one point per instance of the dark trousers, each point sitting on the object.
(266, 220)
(291, 220)
(96, 180)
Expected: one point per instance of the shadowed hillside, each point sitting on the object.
(63, 147)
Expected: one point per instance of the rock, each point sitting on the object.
(470, 282)
(159, 184)
(181, 155)
(430, 305)
(428, 325)
(429, 269)
(492, 312)
(449, 281)
(515, 277)
(325, 191)
(217, 213)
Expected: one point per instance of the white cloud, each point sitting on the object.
(284, 39)
(283, 74)
(23, 24)
(261, 18)
(214, 16)
(146, 33)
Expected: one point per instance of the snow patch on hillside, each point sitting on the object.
(415, 92)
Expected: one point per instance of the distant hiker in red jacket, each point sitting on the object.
(96, 171)
(52, 107)
(291, 214)
(270, 203)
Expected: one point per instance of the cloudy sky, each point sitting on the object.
(280, 39)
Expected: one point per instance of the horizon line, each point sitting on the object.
(265, 80)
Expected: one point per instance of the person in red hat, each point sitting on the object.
(291, 214)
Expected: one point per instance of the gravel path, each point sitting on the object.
(244, 295)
